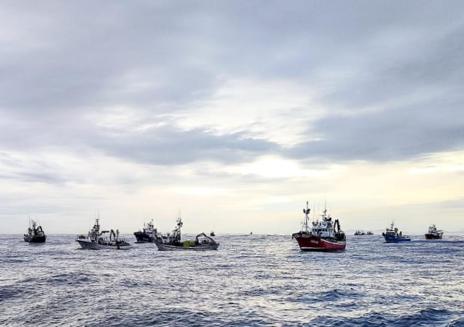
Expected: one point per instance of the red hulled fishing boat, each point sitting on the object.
(323, 235)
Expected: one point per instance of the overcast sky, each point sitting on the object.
(233, 113)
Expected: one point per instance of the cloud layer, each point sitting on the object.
(187, 85)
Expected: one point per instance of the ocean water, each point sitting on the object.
(250, 281)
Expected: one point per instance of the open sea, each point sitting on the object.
(250, 281)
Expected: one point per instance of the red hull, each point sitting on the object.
(315, 243)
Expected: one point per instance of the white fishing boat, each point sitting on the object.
(97, 240)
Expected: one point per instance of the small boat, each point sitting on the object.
(212, 234)
(434, 233)
(35, 233)
(96, 239)
(362, 233)
(393, 235)
(173, 242)
(147, 234)
(324, 234)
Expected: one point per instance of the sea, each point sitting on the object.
(252, 280)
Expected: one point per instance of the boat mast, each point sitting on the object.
(306, 211)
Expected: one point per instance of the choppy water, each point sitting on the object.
(250, 281)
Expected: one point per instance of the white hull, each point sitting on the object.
(89, 245)
(166, 247)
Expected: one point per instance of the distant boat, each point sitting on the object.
(212, 234)
(324, 234)
(434, 233)
(173, 242)
(35, 233)
(362, 233)
(96, 239)
(147, 234)
(393, 235)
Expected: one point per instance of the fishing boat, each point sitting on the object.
(362, 233)
(96, 239)
(35, 233)
(393, 235)
(173, 241)
(147, 234)
(434, 233)
(324, 234)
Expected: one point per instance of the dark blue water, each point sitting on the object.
(250, 281)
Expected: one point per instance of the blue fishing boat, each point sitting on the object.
(393, 235)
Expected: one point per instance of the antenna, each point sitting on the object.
(306, 211)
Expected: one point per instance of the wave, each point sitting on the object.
(9, 292)
(248, 282)
(71, 278)
(426, 317)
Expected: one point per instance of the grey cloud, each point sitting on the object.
(60, 60)
(170, 146)
(29, 171)
(75, 55)
(82, 55)
(166, 145)
(34, 177)
(430, 63)
(394, 134)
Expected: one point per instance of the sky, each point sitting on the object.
(232, 114)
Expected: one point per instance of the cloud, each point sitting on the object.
(21, 168)
(117, 98)
(387, 135)
(62, 61)
(398, 65)
(171, 146)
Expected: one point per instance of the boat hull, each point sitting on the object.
(316, 243)
(89, 245)
(390, 239)
(143, 237)
(201, 247)
(433, 236)
(35, 239)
